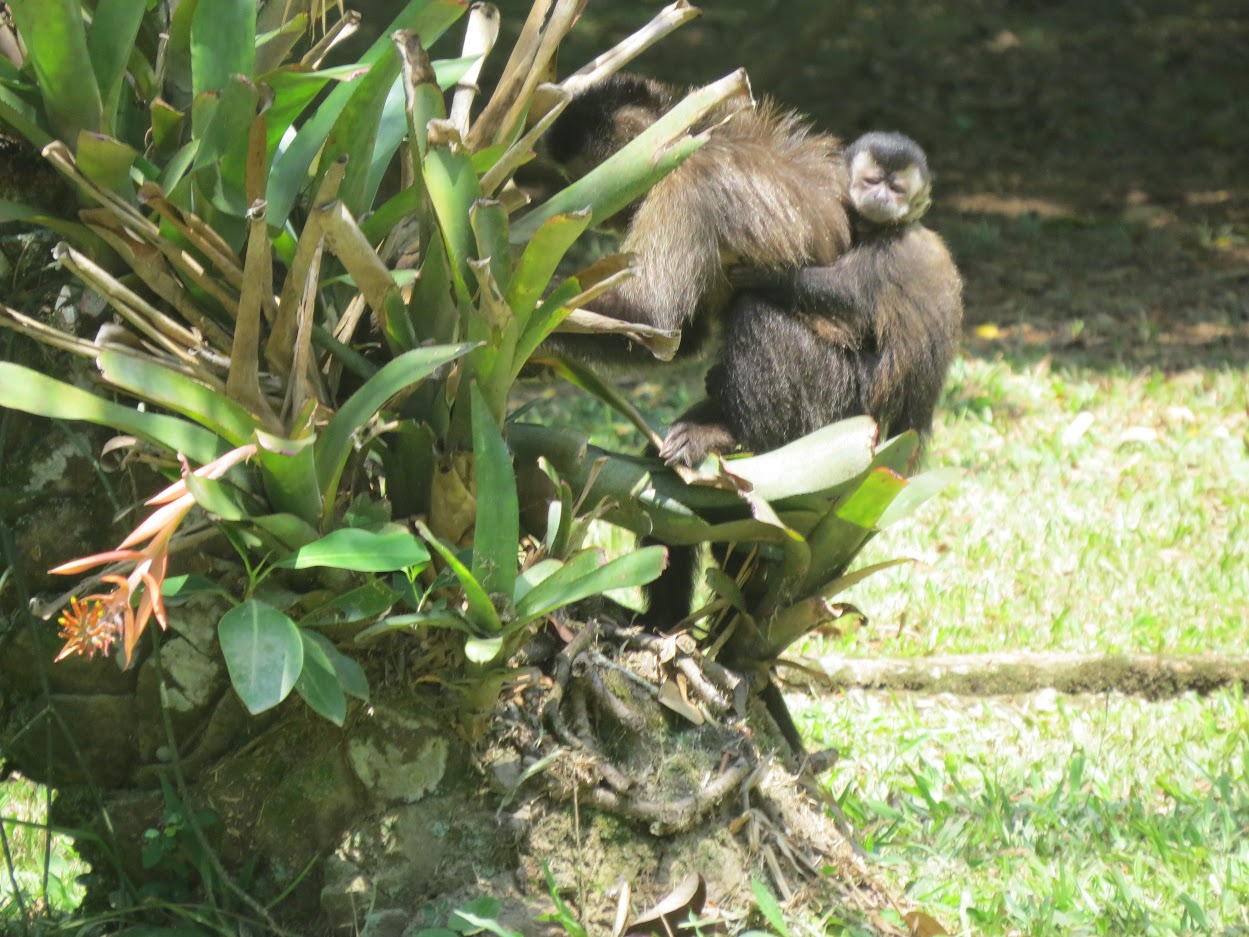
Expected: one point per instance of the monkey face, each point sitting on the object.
(887, 197)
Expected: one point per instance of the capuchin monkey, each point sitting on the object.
(764, 190)
(872, 333)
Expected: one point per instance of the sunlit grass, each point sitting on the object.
(23, 812)
(1050, 815)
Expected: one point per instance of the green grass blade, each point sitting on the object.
(481, 610)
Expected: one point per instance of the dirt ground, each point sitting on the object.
(1091, 159)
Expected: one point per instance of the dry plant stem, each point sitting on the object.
(699, 682)
(342, 29)
(640, 682)
(479, 39)
(519, 151)
(372, 277)
(514, 73)
(138, 312)
(675, 816)
(562, 18)
(666, 20)
(243, 383)
(59, 155)
(583, 321)
(193, 228)
(45, 334)
(153, 270)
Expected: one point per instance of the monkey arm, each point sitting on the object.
(843, 290)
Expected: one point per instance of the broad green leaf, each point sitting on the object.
(107, 162)
(919, 488)
(318, 682)
(542, 255)
(264, 653)
(285, 532)
(488, 219)
(149, 380)
(360, 604)
(56, 45)
(480, 609)
(227, 126)
(289, 472)
(559, 581)
(223, 43)
(868, 502)
(335, 442)
(496, 530)
(531, 577)
(483, 650)
(821, 460)
(453, 188)
(289, 173)
(219, 498)
(355, 132)
(363, 551)
(633, 569)
(110, 42)
(350, 674)
(32, 392)
(177, 589)
(26, 119)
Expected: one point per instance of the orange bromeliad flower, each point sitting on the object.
(92, 624)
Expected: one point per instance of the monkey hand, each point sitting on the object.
(689, 443)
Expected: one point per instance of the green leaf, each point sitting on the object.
(822, 460)
(430, 18)
(410, 622)
(148, 380)
(289, 472)
(480, 609)
(32, 392)
(360, 604)
(363, 551)
(219, 498)
(868, 502)
(318, 681)
(483, 650)
(633, 569)
(542, 255)
(111, 42)
(533, 576)
(56, 45)
(228, 125)
(919, 488)
(107, 162)
(355, 132)
(769, 907)
(223, 43)
(264, 653)
(177, 589)
(350, 674)
(335, 442)
(496, 530)
(284, 532)
(453, 188)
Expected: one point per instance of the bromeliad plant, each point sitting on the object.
(335, 352)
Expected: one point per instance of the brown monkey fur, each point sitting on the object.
(872, 333)
(764, 189)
